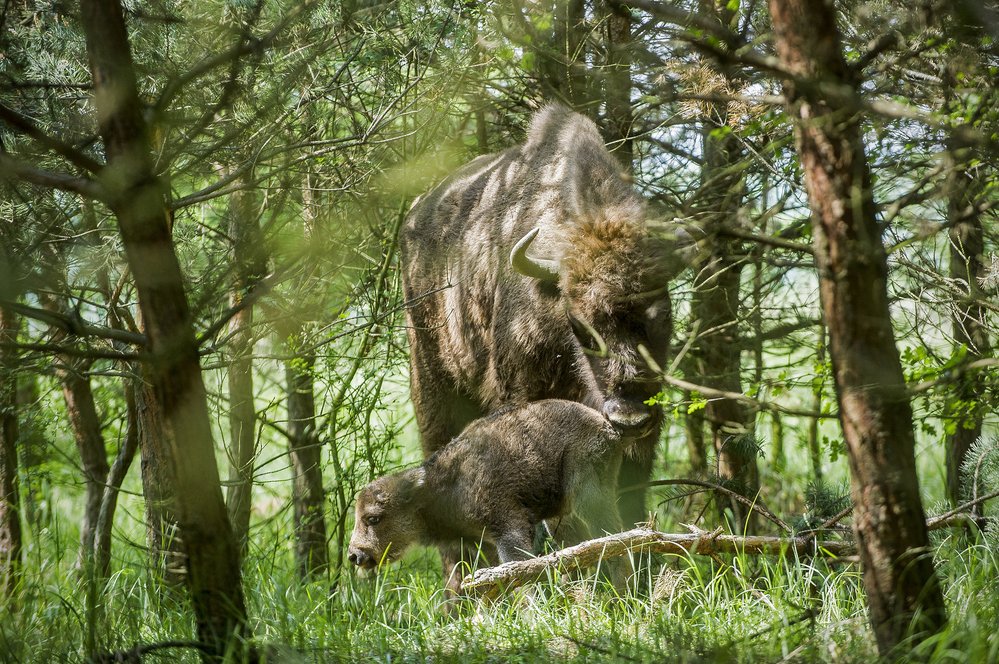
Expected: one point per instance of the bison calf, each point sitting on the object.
(553, 461)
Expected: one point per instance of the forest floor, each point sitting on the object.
(728, 609)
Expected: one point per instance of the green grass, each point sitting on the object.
(738, 609)
(688, 609)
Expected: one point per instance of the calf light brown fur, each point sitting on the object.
(553, 461)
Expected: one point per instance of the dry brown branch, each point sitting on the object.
(516, 573)
(700, 542)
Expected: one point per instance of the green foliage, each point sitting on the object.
(333, 123)
(980, 470)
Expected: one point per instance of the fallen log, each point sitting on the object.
(488, 580)
(699, 542)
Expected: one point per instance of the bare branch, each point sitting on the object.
(712, 393)
(755, 505)
(75, 325)
(954, 373)
(11, 168)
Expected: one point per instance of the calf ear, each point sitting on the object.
(419, 477)
(413, 481)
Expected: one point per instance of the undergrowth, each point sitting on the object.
(680, 609)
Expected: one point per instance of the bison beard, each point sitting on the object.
(534, 274)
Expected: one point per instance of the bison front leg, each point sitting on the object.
(636, 470)
(597, 513)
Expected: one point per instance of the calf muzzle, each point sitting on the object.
(360, 558)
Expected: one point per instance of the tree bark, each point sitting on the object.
(814, 447)
(86, 425)
(560, 62)
(717, 356)
(172, 365)
(10, 519)
(115, 477)
(163, 536)
(250, 266)
(617, 96)
(304, 448)
(889, 522)
(967, 245)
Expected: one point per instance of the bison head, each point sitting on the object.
(611, 279)
(386, 519)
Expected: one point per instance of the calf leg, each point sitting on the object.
(457, 560)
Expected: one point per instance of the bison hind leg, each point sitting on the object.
(516, 541)
(595, 514)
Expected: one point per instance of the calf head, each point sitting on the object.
(387, 519)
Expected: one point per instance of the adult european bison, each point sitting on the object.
(531, 274)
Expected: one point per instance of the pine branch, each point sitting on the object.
(11, 168)
(25, 126)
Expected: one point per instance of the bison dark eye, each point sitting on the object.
(372, 520)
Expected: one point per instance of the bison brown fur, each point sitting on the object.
(536, 273)
(554, 461)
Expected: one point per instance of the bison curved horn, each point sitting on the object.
(536, 268)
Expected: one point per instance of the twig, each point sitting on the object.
(711, 392)
(754, 505)
(931, 522)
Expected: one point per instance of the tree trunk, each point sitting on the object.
(560, 62)
(172, 364)
(875, 413)
(693, 423)
(247, 253)
(814, 448)
(85, 424)
(967, 245)
(308, 497)
(163, 538)
(10, 519)
(116, 475)
(31, 452)
(86, 427)
(618, 83)
(716, 303)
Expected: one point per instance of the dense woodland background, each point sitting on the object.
(202, 353)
